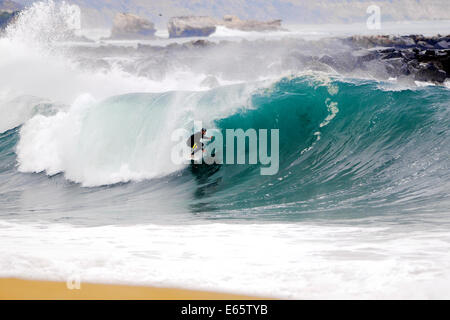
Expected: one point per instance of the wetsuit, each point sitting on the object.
(194, 142)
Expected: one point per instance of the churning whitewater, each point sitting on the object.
(87, 183)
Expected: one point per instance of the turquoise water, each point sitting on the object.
(383, 152)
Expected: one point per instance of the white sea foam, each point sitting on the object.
(224, 32)
(278, 260)
(38, 66)
(123, 138)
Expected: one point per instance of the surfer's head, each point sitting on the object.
(203, 130)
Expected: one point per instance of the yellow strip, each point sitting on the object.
(18, 289)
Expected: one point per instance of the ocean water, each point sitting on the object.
(359, 208)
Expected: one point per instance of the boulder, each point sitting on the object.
(131, 26)
(406, 41)
(396, 67)
(391, 55)
(191, 26)
(428, 72)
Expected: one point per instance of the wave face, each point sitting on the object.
(348, 147)
(354, 148)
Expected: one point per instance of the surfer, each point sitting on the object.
(195, 143)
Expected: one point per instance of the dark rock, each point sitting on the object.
(197, 44)
(406, 41)
(404, 70)
(426, 55)
(413, 63)
(408, 54)
(424, 45)
(396, 67)
(426, 58)
(430, 53)
(429, 72)
(269, 56)
(201, 43)
(391, 55)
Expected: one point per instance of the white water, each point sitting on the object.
(224, 32)
(37, 66)
(274, 260)
(67, 129)
(125, 138)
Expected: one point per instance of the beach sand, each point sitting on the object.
(17, 289)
